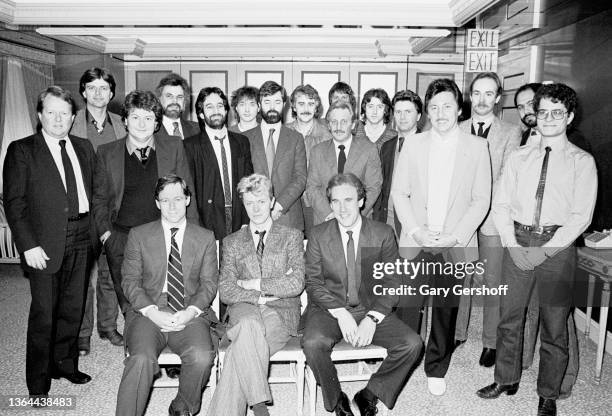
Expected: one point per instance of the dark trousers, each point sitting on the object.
(554, 280)
(114, 247)
(106, 300)
(403, 346)
(145, 341)
(56, 311)
(441, 342)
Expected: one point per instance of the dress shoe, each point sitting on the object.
(366, 407)
(487, 358)
(75, 378)
(493, 391)
(174, 371)
(113, 336)
(343, 407)
(173, 412)
(83, 345)
(547, 407)
(436, 385)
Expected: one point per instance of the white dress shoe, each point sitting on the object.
(436, 386)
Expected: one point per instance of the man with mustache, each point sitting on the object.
(306, 109)
(344, 154)
(279, 153)
(218, 159)
(174, 94)
(503, 138)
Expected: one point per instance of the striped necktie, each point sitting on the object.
(270, 152)
(260, 247)
(176, 289)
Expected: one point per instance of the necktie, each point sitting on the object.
(177, 131)
(143, 154)
(540, 190)
(341, 159)
(227, 188)
(400, 144)
(270, 152)
(260, 247)
(353, 297)
(71, 185)
(176, 289)
(481, 129)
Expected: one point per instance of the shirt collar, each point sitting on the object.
(167, 226)
(132, 144)
(450, 138)
(90, 119)
(488, 120)
(347, 144)
(265, 127)
(212, 133)
(262, 227)
(52, 140)
(556, 145)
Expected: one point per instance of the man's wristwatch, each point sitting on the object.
(373, 318)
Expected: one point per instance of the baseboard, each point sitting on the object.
(581, 323)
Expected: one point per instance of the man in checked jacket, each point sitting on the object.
(262, 276)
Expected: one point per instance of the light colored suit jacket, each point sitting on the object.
(288, 171)
(145, 265)
(362, 160)
(281, 272)
(503, 139)
(468, 202)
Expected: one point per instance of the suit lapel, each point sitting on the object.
(251, 262)
(284, 146)
(329, 157)
(85, 166)
(365, 241)
(423, 162)
(162, 155)
(462, 160)
(353, 156)
(235, 151)
(336, 250)
(188, 252)
(47, 164)
(157, 245)
(258, 152)
(271, 247)
(117, 164)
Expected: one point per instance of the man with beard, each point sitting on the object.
(306, 108)
(98, 125)
(485, 92)
(279, 153)
(174, 94)
(218, 159)
(344, 154)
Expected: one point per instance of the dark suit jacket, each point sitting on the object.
(146, 263)
(109, 180)
(190, 128)
(288, 172)
(35, 198)
(208, 181)
(281, 273)
(326, 272)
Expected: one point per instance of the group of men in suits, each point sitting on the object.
(355, 189)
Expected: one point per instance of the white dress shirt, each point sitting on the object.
(265, 132)
(262, 227)
(132, 145)
(169, 125)
(442, 153)
(56, 151)
(216, 144)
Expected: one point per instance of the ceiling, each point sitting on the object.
(179, 29)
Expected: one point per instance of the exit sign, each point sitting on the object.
(481, 50)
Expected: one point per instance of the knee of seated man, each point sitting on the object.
(411, 342)
(250, 322)
(141, 360)
(198, 355)
(315, 342)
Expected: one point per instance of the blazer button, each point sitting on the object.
(66, 209)
(210, 201)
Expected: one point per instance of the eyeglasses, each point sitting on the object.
(556, 114)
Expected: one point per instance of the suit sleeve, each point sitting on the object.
(401, 192)
(295, 188)
(480, 198)
(182, 170)
(229, 291)
(372, 180)
(209, 277)
(315, 188)
(513, 142)
(100, 195)
(15, 198)
(288, 285)
(389, 254)
(318, 293)
(131, 271)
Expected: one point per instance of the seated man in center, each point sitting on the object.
(262, 276)
(344, 302)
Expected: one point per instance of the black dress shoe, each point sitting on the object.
(83, 346)
(487, 358)
(75, 378)
(173, 412)
(174, 371)
(493, 391)
(343, 408)
(366, 407)
(547, 407)
(113, 336)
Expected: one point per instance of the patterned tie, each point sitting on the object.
(227, 188)
(177, 131)
(270, 151)
(400, 144)
(353, 297)
(341, 159)
(71, 185)
(260, 247)
(481, 129)
(540, 190)
(143, 154)
(176, 289)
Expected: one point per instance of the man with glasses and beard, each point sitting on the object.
(280, 154)
(218, 159)
(174, 94)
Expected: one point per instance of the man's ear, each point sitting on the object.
(570, 117)
(361, 202)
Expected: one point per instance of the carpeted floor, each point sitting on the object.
(105, 365)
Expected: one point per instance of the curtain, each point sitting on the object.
(17, 116)
(37, 77)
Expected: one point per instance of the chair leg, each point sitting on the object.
(300, 379)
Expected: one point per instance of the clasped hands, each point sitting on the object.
(357, 335)
(171, 322)
(527, 258)
(434, 242)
